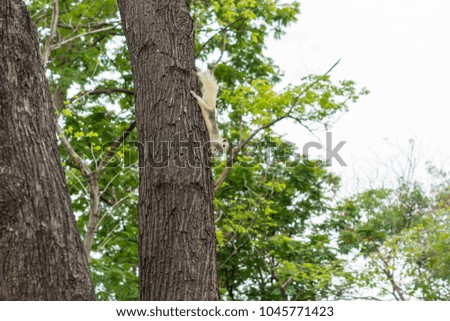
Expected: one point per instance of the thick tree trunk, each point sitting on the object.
(41, 254)
(176, 211)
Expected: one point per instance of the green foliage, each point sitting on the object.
(272, 242)
(115, 273)
(242, 26)
(402, 235)
(270, 247)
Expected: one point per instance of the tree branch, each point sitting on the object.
(242, 144)
(53, 28)
(102, 91)
(222, 51)
(287, 283)
(79, 163)
(236, 150)
(90, 32)
(390, 276)
(94, 213)
(93, 176)
(314, 83)
(224, 29)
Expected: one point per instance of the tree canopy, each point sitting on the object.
(281, 233)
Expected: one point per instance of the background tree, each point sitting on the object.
(40, 248)
(399, 236)
(90, 78)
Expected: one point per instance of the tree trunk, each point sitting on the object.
(176, 209)
(41, 254)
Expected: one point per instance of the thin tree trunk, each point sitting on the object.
(41, 254)
(176, 212)
(94, 213)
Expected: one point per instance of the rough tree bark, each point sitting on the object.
(176, 209)
(41, 254)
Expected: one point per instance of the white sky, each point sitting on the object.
(399, 50)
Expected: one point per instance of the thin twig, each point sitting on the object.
(390, 276)
(220, 31)
(115, 205)
(83, 189)
(222, 51)
(91, 32)
(101, 91)
(115, 176)
(53, 28)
